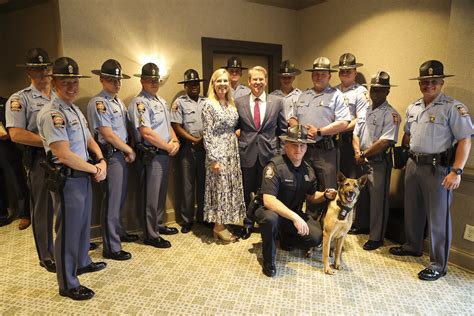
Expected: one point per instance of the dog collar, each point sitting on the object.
(344, 210)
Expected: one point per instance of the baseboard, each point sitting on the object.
(457, 257)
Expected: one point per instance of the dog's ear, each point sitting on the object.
(362, 180)
(340, 177)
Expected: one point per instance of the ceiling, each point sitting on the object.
(289, 4)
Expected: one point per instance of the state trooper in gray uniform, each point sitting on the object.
(433, 124)
(187, 124)
(156, 142)
(322, 110)
(67, 140)
(108, 119)
(234, 67)
(290, 94)
(373, 136)
(21, 111)
(356, 97)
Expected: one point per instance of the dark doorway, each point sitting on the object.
(213, 46)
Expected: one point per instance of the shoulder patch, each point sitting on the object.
(100, 106)
(15, 105)
(58, 120)
(462, 110)
(140, 107)
(174, 107)
(366, 95)
(269, 172)
(395, 118)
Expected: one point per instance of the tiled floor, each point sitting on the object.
(198, 276)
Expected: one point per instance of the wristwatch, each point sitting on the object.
(362, 154)
(318, 132)
(457, 171)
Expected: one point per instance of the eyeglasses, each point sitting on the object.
(433, 82)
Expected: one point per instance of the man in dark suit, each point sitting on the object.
(261, 120)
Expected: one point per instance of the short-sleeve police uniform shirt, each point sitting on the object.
(288, 183)
(150, 111)
(23, 107)
(356, 98)
(434, 129)
(322, 109)
(105, 110)
(240, 91)
(58, 121)
(289, 101)
(187, 112)
(380, 123)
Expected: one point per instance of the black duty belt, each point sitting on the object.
(73, 173)
(326, 143)
(428, 159)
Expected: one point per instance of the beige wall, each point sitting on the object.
(23, 29)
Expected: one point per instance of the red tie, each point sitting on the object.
(256, 114)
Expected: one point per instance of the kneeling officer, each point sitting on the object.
(287, 182)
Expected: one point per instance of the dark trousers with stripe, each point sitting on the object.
(115, 187)
(42, 212)
(156, 187)
(425, 197)
(73, 206)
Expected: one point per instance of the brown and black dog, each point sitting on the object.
(338, 219)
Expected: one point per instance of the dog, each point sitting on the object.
(338, 218)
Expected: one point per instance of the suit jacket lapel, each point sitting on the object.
(268, 109)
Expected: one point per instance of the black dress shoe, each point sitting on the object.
(269, 269)
(399, 251)
(79, 293)
(93, 246)
(157, 242)
(186, 228)
(372, 244)
(119, 255)
(430, 275)
(358, 231)
(93, 267)
(246, 232)
(5, 221)
(129, 238)
(49, 265)
(166, 230)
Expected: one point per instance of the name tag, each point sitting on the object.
(306, 177)
(288, 180)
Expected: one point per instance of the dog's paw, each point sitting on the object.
(309, 253)
(328, 271)
(338, 267)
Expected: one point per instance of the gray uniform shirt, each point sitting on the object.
(59, 121)
(381, 123)
(150, 111)
(289, 101)
(356, 98)
(321, 109)
(104, 110)
(434, 129)
(23, 107)
(240, 91)
(187, 112)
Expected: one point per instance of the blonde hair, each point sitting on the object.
(211, 93)
(256, 69)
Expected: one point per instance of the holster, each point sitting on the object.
(56, 176)
(107, 150)
(400, 156)
(327, 143)
(147, 153)
(256, 201)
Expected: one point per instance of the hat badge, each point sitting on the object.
(40, 58)
(299, 134)
(117, 71)
(153, 72)
(430, 71)
(70, 69)
(286, 69)
(192, 75)
(235, 62)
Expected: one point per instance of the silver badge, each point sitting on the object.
(40, 58)
(192, 75)
(286, 69)
(235, 62)
(306, 177)
(117, 71)
(430, 71)
(70, 69)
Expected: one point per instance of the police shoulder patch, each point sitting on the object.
(15, 105)
(395, 118)
(174, 107)
(58, 120)
(100, 106)
(140, 107)
(269, 172)
(462, 109)
(366, 95)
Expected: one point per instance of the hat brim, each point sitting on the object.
(99, 73)
(227, 67)
(195, 80)
(143, 76)
(34, 65)
(69, 76)
(289, 74)
(378, 85)
(357, 65)
(431, 77)
(320, 69)
(296, 140)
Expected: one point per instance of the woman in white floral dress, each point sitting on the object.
(224, 198)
